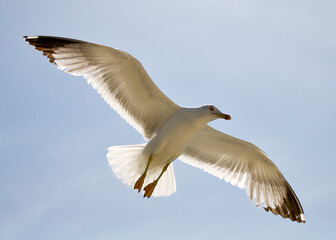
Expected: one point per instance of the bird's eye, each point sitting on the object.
(212, 108)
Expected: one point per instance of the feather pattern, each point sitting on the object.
(244, 165)
(117, 76)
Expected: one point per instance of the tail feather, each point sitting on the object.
(128, 164)
(166, 184)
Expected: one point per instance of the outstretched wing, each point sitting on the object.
(116, 75)
(246, 166)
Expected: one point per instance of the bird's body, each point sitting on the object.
(176, 133)
(172, 131)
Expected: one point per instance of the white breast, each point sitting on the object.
(175, 135)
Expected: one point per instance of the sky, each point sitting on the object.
(269, 64)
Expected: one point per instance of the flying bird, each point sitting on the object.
(171, 131)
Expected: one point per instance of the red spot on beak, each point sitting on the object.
(227, 117)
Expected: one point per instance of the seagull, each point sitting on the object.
(171, 131)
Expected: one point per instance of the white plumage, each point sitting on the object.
(172, 131)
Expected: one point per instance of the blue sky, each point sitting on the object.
(269, 64)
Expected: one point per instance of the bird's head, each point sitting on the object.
(215, 113)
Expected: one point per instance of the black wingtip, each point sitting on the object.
(30, 38)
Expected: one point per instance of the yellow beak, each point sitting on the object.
(223, 115)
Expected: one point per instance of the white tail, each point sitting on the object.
(128, 164)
